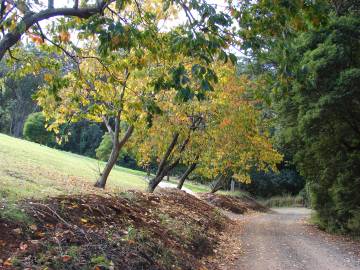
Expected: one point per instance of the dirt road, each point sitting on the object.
(282, 241)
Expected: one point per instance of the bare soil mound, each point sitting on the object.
(166, 230)
(235, 204)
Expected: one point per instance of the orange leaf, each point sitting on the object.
(33, 227)
(66, 258)
(17, 231)
(64, 36)
(40, 234)
(8, 262)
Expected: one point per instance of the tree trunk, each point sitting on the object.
(153, 183)
(217, 184)
(19, 126)
(167, 153)
(101, 182)
(117, 145)
(76, 4)
(186, 174)
(164, 167)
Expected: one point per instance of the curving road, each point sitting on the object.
(281, 241)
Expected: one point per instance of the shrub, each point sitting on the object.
(35, 131)
(266, 185)
(285, 201)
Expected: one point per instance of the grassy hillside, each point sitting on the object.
(30, 170)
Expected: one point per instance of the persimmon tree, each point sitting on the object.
(92, 96)
(172, 135)
(239, 135)
(124, 61)
(221, 132)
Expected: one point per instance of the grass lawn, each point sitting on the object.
(30, 170)
(196, 187)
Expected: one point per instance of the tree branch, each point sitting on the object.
(102, 64)
(76, 4)
(126, 136)
(31, 18)
(167, 153)
(109, 128)
(189, 170)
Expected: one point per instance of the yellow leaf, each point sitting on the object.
(83, 220)
(48, 77)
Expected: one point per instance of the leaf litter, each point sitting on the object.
(166, 230)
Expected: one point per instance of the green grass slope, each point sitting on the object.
(29, 170)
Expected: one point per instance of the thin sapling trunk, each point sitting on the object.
(217, 184)
(117, 145)
(189, 170)
(163, 169)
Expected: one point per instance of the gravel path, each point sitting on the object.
(282, 241)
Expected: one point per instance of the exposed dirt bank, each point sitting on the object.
(166, 230)
(234, 204)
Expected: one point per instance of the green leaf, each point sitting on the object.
(233, 58)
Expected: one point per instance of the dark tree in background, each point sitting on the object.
(84, 137)
(16, 102)
(268, 184)
(320, 120)
(35, 131)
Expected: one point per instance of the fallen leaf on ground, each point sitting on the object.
(17, 231)
(8, 262)
(83, 220)
(33, 227)
(66, 258)
(23, 246)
